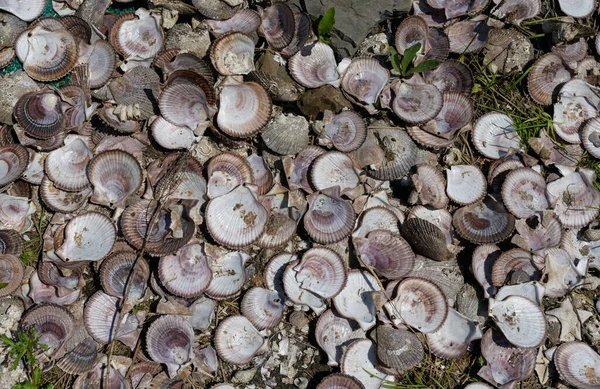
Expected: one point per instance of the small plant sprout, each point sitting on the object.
(403, 66)
(24, 347)
(326, 24)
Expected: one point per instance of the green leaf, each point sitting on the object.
(395, 59)
(37, 375)
(3, 285)
(409, 55)
(326, 23)
(424, 66)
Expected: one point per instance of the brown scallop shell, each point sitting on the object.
(546, 74)
(329, 219)
(51, 54)
(12, 273)
(484, 222)
(40, 114)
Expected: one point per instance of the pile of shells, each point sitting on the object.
(183, 203)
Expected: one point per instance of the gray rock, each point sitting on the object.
(353, 18)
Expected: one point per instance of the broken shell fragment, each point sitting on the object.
(364, 79)
(333, 332)
(227, 171)
(455, 335)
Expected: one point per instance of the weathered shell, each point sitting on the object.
(388, 254)
(468, 35)
(88, 237)
(364, 79)
(227, 171)
(577, 9)
(355, 300)
(466, 184)
(523, 192)
(54, 325)
(233, 54)
(27, 11)
(322, 272)
(416, 102)
(11, 242)
(451, 76)
(115, 175)
(397, 348)
(360, 361)
(590, 137)
(122, 270)
(400, 154)
(329, 219)
(40, 114)
(229, 275)
(506, 363)
(455, 335)
(314, 66)
(215, 9)
(81, 359)
(244, 109)
(494, 135)
(574, 198)
(286, 134)
(429, 184)
(262, 307)
(12, 273)
(411, 31)
(169, 340)
(66, 167)
(421, 304)
(333, 332)
(13, 162)
(263, 177)
(186, 273)
(245, 20)
(186, 104)
(278, 25)
(577, 102)
(138, 35)
(297, 295)
(99, 316)
(339, 381)
(546, 74)
(511, 260)
(237, 340)
(347, 131)
(456, 113)
(517, 11)
(520, 320)
(484, 222)
(331, 169)
(49, 55)
(578, 364)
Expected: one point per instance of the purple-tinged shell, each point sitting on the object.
(237, 341)
(484, 222)
(429, 184)
(578, 364)
(364, 80)
(115, 175)
(169, 340)
(340, 381)
(12, 273)
(468, 35)
(355, 300)
(521, 320)
(138, 35)
(245, 21)
(388, 254)
(347, 131)
(186, 273)
(506, 364)
(451, 76)
(53, 323)
(411, 31)
(278, 25)
(262, 307)
(546, 74)
(494, 135)
(13, 162)
(49, 55)
(466, 184)
(66, 167)
(416, 102)
(233, 54)
(574, 198)
(523, 192)
(334, 168)
(511, 260)
(590, 137)
(296, 169)
(40, 114)
(117, 274)
(100, 314)
(516, 11)
(454, 336)
(421, 304)
(333, 332)
(81, 359)
(11, 243)
(227, 171)
(321, 271)
(87, 237)
(244, 109)
(229, 275)
(400, 154)
(314, 66)
(329, 218)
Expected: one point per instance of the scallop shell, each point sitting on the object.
(455, 335)
(278, 25)
(99, 315)
(50, 55)
(245, 21)
(516, 11)
(237, 340)
(169, 340)
(355, 300)
(507, 50)
(11, 243)
(13, 162)
(186, 273)
(590, 137)
(333, 332)
(494, 136)
(429, 184)
(338, 380)
(296, 169)
(577, 102)
(81, 359)
(574, 198)
(416, 102)
(532, 290)
(421, 304)
(439, 45)
(54, 325)
(322, 272)
(262, 307)
(376, 218)
(523, 192)
(397, 348)
(65, 167)
(227, 171)
(484, 222)
(50, 274)
(347, 131)
(388, 254)
(244, 109)
(578, 364)
(215, 9)
(27, 12)
(520, 320)
(506, 363)
(331, 169)
(302, 32)
(411, 31)
(314, 66)
(59, 200)
(233, 54)
(12, 273)
(546, 74)
(88, 237)
(364, 79)
(451, 76)
(511, 260)
(360, 362)
(329, 219)
(15, 213)
(236, 219)
(263, 177)
(482, 262)
(101, 60)
(433, 246)
(538, 232)
(578, 8)
(171, 136)
(229, 275)
(297, 295)
(439, 217)
(456, 113)
(400, 154)
(186, 105)
(171, 61)
(122, 270)
(115, 175)
(466, 184)
(40, 114)
(468, 35)
(138, 35)
(274, 270)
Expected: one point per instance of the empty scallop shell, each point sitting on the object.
(468, 35)
(236, 219)
(50, 55)
(347, 131)
(11, 242)
(186, 105)
(81, 359)
(506, 364)
(101, 60)
(429, 184)
(262, 307)
(99, 315)
(523, 192)
(244, 109)
(360, 361)
(511, 260)
(227, 171)
(421, 304)
(574, 198)
(577, 102)
(494, 135)
(520, 320)
(388, 254)
(171, 136)
(54, 325)
(416, 102)
(115, 175)
(425, 239)
(455, 335)
(456, 113)
(27, 11)
(538, 232)
(578, 364)
(296, 169)
(590, 137)
(322, 272)
(215, 9)
(138, 35)
(376, 217)
(340, 381)
(302, 31)
(12, 273)
(13, 162)
(229, 275)
(278, 25)
(15, 213)
(578, 8)
(66, 166)
(451, 76)
(237, 340)
(245, 20)
(516, 11)
(297, 295)
(466, 184)
(186, 273)
(334, 168)
(286, 134)
(40, 114)
(484, 222)
(169, 340)
(263, 177)
(117, 274)
(411, 31)
(546, 74)
(274, 270)
(400, 154)
(329, 219)
(314, 66)
(364, 79)
(440, 217)
(233, 54)
(397, 348)
(532, 290)
(355, 300)
(333, 332)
